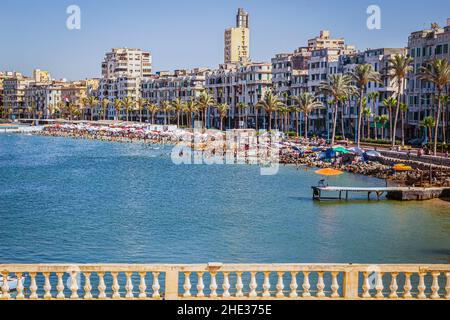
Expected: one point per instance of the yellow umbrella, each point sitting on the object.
(401, 167)
(329, 172)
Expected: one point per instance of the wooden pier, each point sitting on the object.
(392, 193)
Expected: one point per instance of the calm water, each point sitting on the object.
(82, 201)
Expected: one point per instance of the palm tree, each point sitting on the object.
(362, 75)
(53, 109)
(399, 66)
(403, 111)
(445, 103)
(167, 108)
(128, 104)
(438, 73)
(153, 109)
(284, 111)
(376, 120)
(191, 110)
(105, 104)
(367, 113)
(222, 109)
(92, 102)
(390, 104)
(118, 104)
(270, 103)
(204, 102)
(178, 105)
(429, 124)
(383, 121)
(83, 105)
(307, 103)
(374, 97)
(241, 107)
(140, 105)
(337, 86)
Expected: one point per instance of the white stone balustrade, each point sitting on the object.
(226, 281)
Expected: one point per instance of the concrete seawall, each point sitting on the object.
(418, 194)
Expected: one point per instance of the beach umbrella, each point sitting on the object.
(329, 172)
(401, 167)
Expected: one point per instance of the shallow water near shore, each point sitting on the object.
(68, 200)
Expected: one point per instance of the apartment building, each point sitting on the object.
(423, 46)
(167, 86)
(117, 88)
(14, 86)
(245, 83)
(125, 62)
(237, 40)
(42, 97)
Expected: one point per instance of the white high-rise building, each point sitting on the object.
(125, 62)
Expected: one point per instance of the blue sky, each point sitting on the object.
(189, 33)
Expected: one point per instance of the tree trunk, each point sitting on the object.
(399, 100)
(436, 129)
(306, 126)
(360, 115)
(296, 124)
(403, 128)
(334, 124)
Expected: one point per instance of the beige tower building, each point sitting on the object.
(237, 40)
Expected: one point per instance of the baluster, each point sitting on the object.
(187, 285)
(213, 285)
(47, 286)
(200, 285)
(20, 287)
(366, 286)
(280, 285)
(156, 286)
(421, 287)
(129, 286)
(101, 286)
(33, 286)
(142, 285)
(5, 286)
(320, 286)
(447, 286)
(253, 285)
(266, 284)
(60, 286)
(293, 285)
(306, 286)
(435, 285)
(239, 285)
(115, 286)
(226, 285)
(393, 286)
(407, 287)
(87, 286)
(74, 285)
(379, 286)
(334, 285)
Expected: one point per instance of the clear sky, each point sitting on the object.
(189, 33)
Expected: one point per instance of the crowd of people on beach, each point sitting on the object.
(292, 151)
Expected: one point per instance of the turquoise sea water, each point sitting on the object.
(81, 201)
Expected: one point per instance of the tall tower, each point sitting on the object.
(237, 40)
(242, 19)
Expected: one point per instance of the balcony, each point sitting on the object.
(220, 281)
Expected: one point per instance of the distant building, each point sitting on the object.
(237, 40)
(423, 46)
(124, 62)
(14, 86)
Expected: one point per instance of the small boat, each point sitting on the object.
(12, 282)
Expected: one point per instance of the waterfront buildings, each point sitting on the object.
(237, 40)
(125, 62)
(424, 45)
(14, 86)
